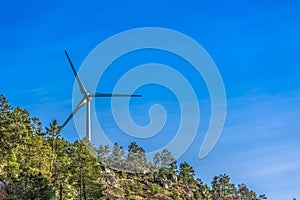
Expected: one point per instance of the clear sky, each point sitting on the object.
(255, 45)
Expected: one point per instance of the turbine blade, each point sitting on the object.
(81, 103)
(82, 88)
(114, 95)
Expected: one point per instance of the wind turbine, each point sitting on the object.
(86, 100)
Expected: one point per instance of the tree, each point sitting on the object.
(166, 158)
(103, 154)
(53, 133)
(11, 166)
(262, 196)
(172, 167)
(203, 190)
(86, 172)
(40, 156)
(117, 156)
(134, 148)
(37, 165)
(186, 173)
(37, 126)
(244, 193)
(15, 132)
(29, 186)
(222, 188)
(136, 158)
(61, 172)
(163, 159)
(19, 142)
(157, 160)
(5, 127)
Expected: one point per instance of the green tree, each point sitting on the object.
(53, 134)
(37, 126)
(11, 166)
(15, 133)
(37, 165)
(222, 188)
(166, 158)
(244, 193)
(103, 154)
(6, 135)
(172, 167)
(186, 173)
(163, 159)
(61, 173)
(40, 156)
(30, 187)
(157, 160)
(86, 173)
(203, 190)
(136, 159)
(117, 156)
(135, 148)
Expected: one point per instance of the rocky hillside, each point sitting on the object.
(165, 185)
(37, 164)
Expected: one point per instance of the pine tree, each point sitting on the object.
(244, 193)
(37, 165)
(157, 160)
(117, 157)
(5, 123)
(222, 188)
(166, 158)
(30, 187)
(136, 158)
(103, 154)
(11, 165)
(186, 173)
(86, 173)
(61, 173)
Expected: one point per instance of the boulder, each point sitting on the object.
(172, 177)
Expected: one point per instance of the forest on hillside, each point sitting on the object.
(37, 164)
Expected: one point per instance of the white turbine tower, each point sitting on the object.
(86, 100)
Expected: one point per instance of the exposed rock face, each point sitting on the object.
(120, 186)
(166, 185)
(172, 177)
(110, 179)
(105, 169)
(2, 190)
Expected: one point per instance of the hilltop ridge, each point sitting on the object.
(36, 163)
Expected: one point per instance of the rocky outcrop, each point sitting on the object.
(126, 185)
(171, 177)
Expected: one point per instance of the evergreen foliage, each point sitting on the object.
(37, 164)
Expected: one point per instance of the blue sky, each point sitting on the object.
(255, 45)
